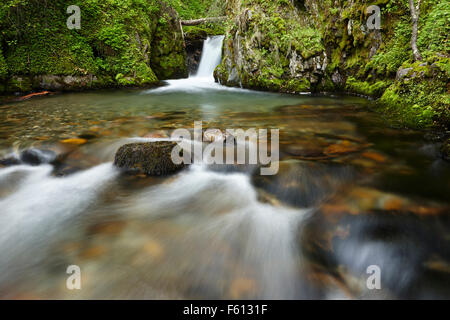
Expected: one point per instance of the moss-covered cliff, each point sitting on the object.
(120, 43)
(311, 45)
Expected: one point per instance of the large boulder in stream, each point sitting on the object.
(149, 158)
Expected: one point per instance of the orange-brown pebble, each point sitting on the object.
(374, 156)
(76, 141)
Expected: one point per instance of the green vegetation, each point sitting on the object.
(202, 31)
(421, 97)
(194, 9)
(363, 87)
(282, 45)
(115, 43)
(271, 35)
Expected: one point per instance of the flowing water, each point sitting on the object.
(350, 193)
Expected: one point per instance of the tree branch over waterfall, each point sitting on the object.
(415, 13)
(201, 21)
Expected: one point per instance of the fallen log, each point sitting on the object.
(29, 96)
(196, 22)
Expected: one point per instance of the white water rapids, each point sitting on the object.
(225, 235)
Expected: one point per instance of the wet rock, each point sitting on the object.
(306, 150)
(433, 136)
(9, 161)
(32, 157)
(375, 156)
(63, 170)
(344, 147)
(445, 150)
(108, 228)
(304, 184)
(36, 157)
(214, 135)
(159, 134)
(337, 78)
(151, 158)
(194, 45)
(401, 73)
(369, 227)
(88, 136)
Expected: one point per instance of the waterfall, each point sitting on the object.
(211, 57)
(204, 79)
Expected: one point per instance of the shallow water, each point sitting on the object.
(351, 193)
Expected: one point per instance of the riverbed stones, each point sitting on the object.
(150, 158)
(304, 184)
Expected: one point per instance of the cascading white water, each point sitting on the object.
(211, 56)
(204, 79)
(40, 206)
(204, 229)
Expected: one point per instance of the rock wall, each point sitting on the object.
(168, 55)
(271, 46)
(324, 46)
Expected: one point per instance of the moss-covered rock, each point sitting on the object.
(168, 53)
(270, 46)
(117, 45)
(313, 45)
(152, 158)
(19, 84)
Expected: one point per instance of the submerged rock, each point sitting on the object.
(9, 161)
(36, 157)
(304, 184)
(151, 158)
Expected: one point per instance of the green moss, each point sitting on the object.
(202, 31)
(307, 41)
(168, 54)
(153, 159)
(421, 98)
(194, 9)
(435, 29)
(19, 84)
(3, 66)
(326, 85)
(387, 61)
(299, 85)
(363, 87)
(116, 37)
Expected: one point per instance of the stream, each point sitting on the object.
(351, 192)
